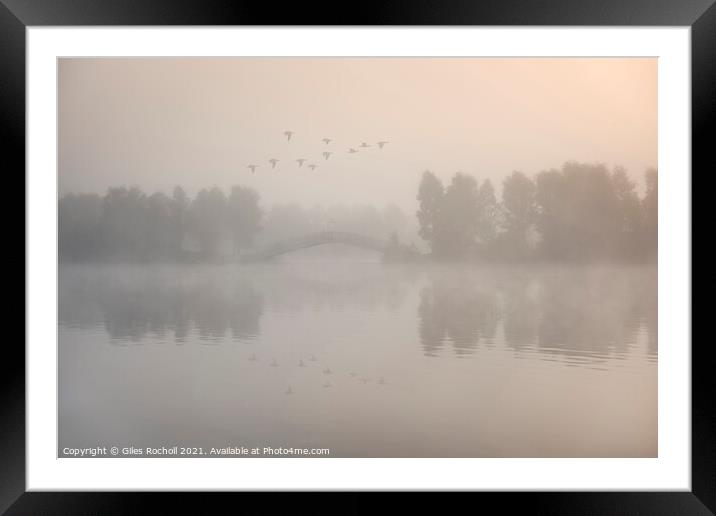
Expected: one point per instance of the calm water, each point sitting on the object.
(425, 361)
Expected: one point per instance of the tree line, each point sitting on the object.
(127, 224)
(581, 212)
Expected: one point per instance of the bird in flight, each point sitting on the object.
(312, 166)
(252, 167)
(288, 135)
(352, 151)
(364, 145)
(273, 162)
(380, 144)
(300, 161)
(326, 140)
(326, 155)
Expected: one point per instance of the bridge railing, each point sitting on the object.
(314, 239)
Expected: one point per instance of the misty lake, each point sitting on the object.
(364, 358)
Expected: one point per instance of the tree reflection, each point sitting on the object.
(134, 306)
(573, 314)
(590, 315)
(579, 314)
(456, 312)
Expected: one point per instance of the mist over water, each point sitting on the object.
(425, 360)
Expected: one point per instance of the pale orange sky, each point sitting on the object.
(198, 122)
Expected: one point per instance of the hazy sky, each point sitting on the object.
(199, 122)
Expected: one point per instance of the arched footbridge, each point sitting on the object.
(312, 240)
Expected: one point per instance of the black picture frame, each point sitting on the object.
(16, 15)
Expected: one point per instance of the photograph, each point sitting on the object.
(357, 257)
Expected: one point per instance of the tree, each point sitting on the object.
(393, 249)
(488, 216)
(244, 216)
(650, 214)
(179, 215)
(207, 219)
(364, 220)
(78, 218)
(578, 213)
(158, 226)
(594, 211)
(519, 211)
(396, 251)
(629, 245)
(394, 220)
(122, 225)
(550, 190)
(458, 218)
(430, 196)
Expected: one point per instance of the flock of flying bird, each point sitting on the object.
(327, 371)
(326, 154)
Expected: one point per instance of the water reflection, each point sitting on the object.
(576, 314)
(453, 310)
(455, 361)
(133, 305)
(581, 315)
